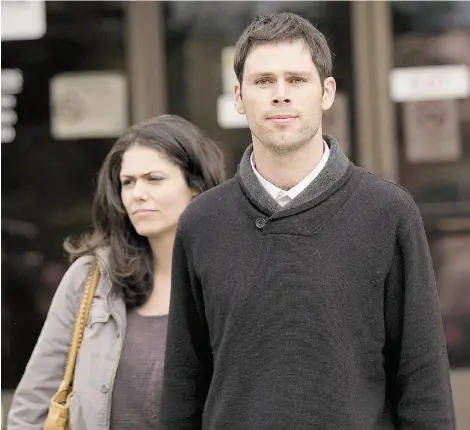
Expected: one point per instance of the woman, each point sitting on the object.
(149, 177)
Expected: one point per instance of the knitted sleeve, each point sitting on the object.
(416, 363)
(188, 358)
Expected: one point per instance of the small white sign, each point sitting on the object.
(430, 83)
(88, 105)
(12, 81)
(8, 133)
(23, 20)
(227, 115)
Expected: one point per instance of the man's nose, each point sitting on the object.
(281, 96)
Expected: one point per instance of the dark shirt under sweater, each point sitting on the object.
(319, 315)
(138, 383)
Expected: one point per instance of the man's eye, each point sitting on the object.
(262, 81)
(298, 80)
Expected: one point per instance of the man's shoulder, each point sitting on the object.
(212, 198)
(210, 204)
(393, 198)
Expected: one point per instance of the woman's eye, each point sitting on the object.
(155, 179)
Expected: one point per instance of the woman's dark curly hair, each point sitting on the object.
(130, 256)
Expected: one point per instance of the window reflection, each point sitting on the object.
(452, 257)
(47, 184)
(429, 34)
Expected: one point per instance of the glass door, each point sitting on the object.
(432, 39)
(50, 156)
(434, 152)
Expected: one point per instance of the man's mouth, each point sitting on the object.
(282, 118)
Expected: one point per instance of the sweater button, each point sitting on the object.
(260, 222)
(105, 388)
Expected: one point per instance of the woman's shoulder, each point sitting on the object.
(83, 264)
(74, 278)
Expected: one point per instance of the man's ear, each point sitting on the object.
(237, 98)
(329, 91)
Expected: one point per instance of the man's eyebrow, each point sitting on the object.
(288, 73)
(299, 73)
(260, 74)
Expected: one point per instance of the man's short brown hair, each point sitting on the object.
(284, 27)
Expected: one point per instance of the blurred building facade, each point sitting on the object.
(92, 68)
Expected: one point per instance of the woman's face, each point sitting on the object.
(154, 191)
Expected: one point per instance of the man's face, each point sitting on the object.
(282, 96)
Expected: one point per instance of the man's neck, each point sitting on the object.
(287, 170)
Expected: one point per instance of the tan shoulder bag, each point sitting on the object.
(58, 416)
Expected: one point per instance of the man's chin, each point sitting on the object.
(285, 146)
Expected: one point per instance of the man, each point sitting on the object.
(303, 294)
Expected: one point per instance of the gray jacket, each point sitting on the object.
(97, 361)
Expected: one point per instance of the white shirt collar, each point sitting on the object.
(283, 197)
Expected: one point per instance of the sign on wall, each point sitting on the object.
(23, 20)
(430, 83)
(88, 105)
(431, 131)
(12, 85)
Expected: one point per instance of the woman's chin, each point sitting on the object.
(147, 231)
(153, 232)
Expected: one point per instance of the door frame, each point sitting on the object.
(376, 140)
(146, 59)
